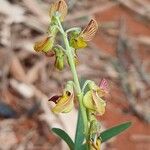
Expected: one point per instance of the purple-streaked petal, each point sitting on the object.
(104, 85)
(54, 98)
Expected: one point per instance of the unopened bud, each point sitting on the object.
(59, 61)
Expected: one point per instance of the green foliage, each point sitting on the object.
(79, 138)
(63, 135)
(111, 132)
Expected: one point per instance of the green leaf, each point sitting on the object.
(62, 134)
(79, 138)
(111, 132)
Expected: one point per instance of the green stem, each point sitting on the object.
(85, 85)
(73, 29)
(75, 76)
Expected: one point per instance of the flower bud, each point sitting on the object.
(59, 61)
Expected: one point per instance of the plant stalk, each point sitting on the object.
(70, 56)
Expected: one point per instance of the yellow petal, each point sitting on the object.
(65, 103)
(88, 101)
(44, 45)
(78, 42)
(100, 104)
(93, 102)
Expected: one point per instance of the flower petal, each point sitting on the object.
(44, 45)
(104, 85)
(88, 101)
(65, 103)
(100, 104)
(90, 30)
(55, 98)
(59, 6)
(78, 43)
(93, 102)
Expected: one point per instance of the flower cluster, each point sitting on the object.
(77, 38)
(95, 104)
(93, 99)
(74, 39)
(47, 45)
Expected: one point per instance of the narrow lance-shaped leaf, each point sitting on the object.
(111, 132)
(63, 135)
(79, 138)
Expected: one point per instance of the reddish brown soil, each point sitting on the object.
(114, 114)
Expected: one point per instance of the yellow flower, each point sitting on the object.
(64, 102)
(59, 6)
(93, 101)
(44, 45)
(80, 40)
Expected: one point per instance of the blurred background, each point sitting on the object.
(120, 52)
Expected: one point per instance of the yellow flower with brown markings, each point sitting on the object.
(93, 99)
(64, 103)
(80, 40)
(93, 102)
(44, 45)
(59, 6)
